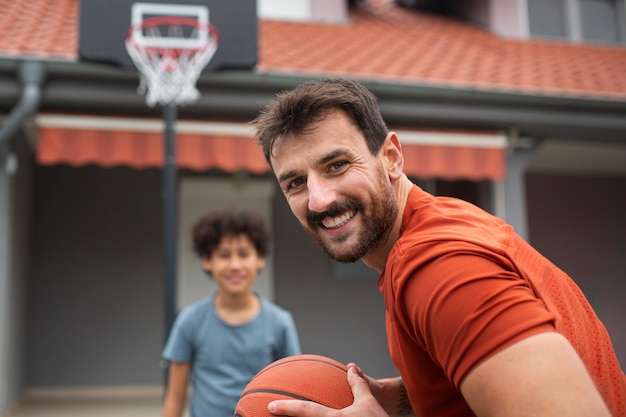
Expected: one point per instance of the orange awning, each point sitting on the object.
(454, 154)
(138, 143)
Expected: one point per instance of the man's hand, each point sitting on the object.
(390, 394)
(364, 405)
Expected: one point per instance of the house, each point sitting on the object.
(515, 105)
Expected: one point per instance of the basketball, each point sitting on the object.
(300, 377)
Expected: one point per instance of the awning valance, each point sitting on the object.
(138, 143)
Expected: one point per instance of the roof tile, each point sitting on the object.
(395, 44)
(39, 28)
(381, 41)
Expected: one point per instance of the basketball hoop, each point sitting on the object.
(170, 52)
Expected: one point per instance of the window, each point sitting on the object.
(600, 21)
(593, 21)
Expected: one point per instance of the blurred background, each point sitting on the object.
(518, 106)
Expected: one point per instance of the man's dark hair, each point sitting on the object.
(209, 229)
(293, 111)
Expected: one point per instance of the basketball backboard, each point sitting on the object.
(104, 24)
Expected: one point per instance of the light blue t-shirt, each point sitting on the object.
(224, 358)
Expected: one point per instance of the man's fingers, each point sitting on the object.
(298, 408)
(359, 385)
(358, 369)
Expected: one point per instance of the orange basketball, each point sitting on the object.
(301, 377)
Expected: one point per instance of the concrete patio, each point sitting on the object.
(131, 402)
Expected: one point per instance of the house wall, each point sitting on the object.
(340, 318)
(327, 11)
(579, 224)
(508, 18)
(95, 316)
(95, 299)
(14, 260)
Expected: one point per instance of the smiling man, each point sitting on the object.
(478, 322)
(346, 224)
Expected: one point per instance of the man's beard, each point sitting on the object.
(377, 220)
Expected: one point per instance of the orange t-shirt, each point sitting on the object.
(460, 285)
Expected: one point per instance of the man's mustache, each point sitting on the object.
(336, 209)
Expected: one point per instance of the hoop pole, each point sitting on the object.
(170, 200)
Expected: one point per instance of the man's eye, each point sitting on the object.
(336, 166)
(296, 183)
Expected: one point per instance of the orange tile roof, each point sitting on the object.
(39, 28)
(381, 42)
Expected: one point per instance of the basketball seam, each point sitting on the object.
(304, 360)
(279, 392)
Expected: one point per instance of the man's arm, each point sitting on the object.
(176, 396)
(538, 376)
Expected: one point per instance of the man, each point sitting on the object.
(478, 322)
(220, 342)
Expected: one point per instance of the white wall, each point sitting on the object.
(200, 194)
(330, 11)
(298, 10)
(509, 18)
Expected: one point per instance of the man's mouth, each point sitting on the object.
(338, 221)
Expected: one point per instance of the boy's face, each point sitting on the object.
(338, 190)
(234, 264)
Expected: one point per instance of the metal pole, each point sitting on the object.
(169, 218)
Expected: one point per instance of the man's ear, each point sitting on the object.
(393, 156)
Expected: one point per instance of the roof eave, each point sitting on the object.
(73, 86)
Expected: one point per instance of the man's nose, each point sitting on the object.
(321, 194)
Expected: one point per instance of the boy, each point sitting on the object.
(223, 340)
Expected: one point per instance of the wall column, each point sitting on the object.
(521, 154)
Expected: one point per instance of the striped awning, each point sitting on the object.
(117, 141)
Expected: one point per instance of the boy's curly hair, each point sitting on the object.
(209, 229)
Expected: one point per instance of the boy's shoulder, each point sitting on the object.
(273, 308)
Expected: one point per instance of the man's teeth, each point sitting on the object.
(333, 222)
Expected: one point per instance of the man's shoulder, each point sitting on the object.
(432, 220)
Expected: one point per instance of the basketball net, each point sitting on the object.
(168, 72)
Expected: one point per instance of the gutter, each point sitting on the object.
(31, 75)
(80, 87)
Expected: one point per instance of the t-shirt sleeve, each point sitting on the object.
(465, 307)
(179, 345)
